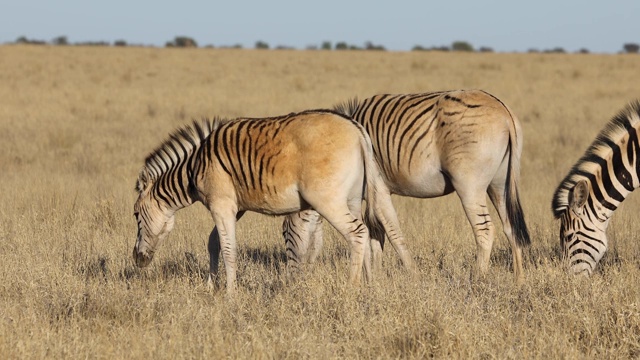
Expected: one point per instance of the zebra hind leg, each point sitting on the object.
(475, 207)
(496, 194)
(302, 232)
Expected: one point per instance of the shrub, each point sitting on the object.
(60, 40)
(120, 43)
(371, 46)
(182, 41)
(461, 46)
(326, 45)
(25, 40)
(261, 45)
(631, 48)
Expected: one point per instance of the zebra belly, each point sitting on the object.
(428, 184)
(275, 202)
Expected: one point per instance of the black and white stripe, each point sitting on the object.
(594, 188)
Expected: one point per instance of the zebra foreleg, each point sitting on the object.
(214, 255)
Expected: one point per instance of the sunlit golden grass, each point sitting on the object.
(76, 124)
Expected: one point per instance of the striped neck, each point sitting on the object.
(170, 169)
(611, 165)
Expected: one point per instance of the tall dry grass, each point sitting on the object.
(76, 124)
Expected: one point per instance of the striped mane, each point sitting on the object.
(626, 120)
(175, 150)
(347, 108)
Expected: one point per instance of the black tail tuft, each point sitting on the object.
(516, 218)
(376, 229)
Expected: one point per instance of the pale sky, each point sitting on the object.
(597, 25)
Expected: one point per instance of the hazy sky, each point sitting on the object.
(597, 25)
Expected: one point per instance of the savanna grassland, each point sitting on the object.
(77, 122)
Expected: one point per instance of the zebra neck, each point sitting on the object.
(176, 188)
(607, 193)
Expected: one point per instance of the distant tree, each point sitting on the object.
(342, 45)
(418, 48)
(461, 46)
(555, 50)
(182, 41)
(60, 40)
(120, 43)
(371, 46)
(583, 51)
(92, 43)
(326, 45)
(261, 45)
(533, 51)
(354, 47)
(25, 40)
(440, 48)
(234, 46)
(284, 47)
(485, 49)
(631, 48)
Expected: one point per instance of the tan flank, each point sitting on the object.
(314, 159)
(430, 145)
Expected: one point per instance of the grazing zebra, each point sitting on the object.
(315, 159)
(432, 144)
(594, 188)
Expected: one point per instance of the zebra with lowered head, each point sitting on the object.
(596, 185)
(314, 159)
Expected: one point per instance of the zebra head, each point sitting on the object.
(582, 234)
(155, 221)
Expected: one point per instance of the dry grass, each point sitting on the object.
(76, 123)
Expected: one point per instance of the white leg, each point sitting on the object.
(226, 225)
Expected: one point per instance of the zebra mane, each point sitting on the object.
(348, 107)
(176, 149)
(613, 132)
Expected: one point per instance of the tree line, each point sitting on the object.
(188, 42)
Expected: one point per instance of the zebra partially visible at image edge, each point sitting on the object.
(594, 188)
(430, 145)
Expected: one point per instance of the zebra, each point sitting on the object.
(594, 188)
(314, 159)
(430, 145)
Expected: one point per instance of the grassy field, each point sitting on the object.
(76, 124)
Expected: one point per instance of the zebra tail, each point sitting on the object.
(372, 184)
(514, 209)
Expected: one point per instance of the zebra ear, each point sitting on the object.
(578, 196)
(143, 179)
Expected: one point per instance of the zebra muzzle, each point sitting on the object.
(141, 258)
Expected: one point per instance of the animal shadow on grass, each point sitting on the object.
(101, 268)
(97, 268)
